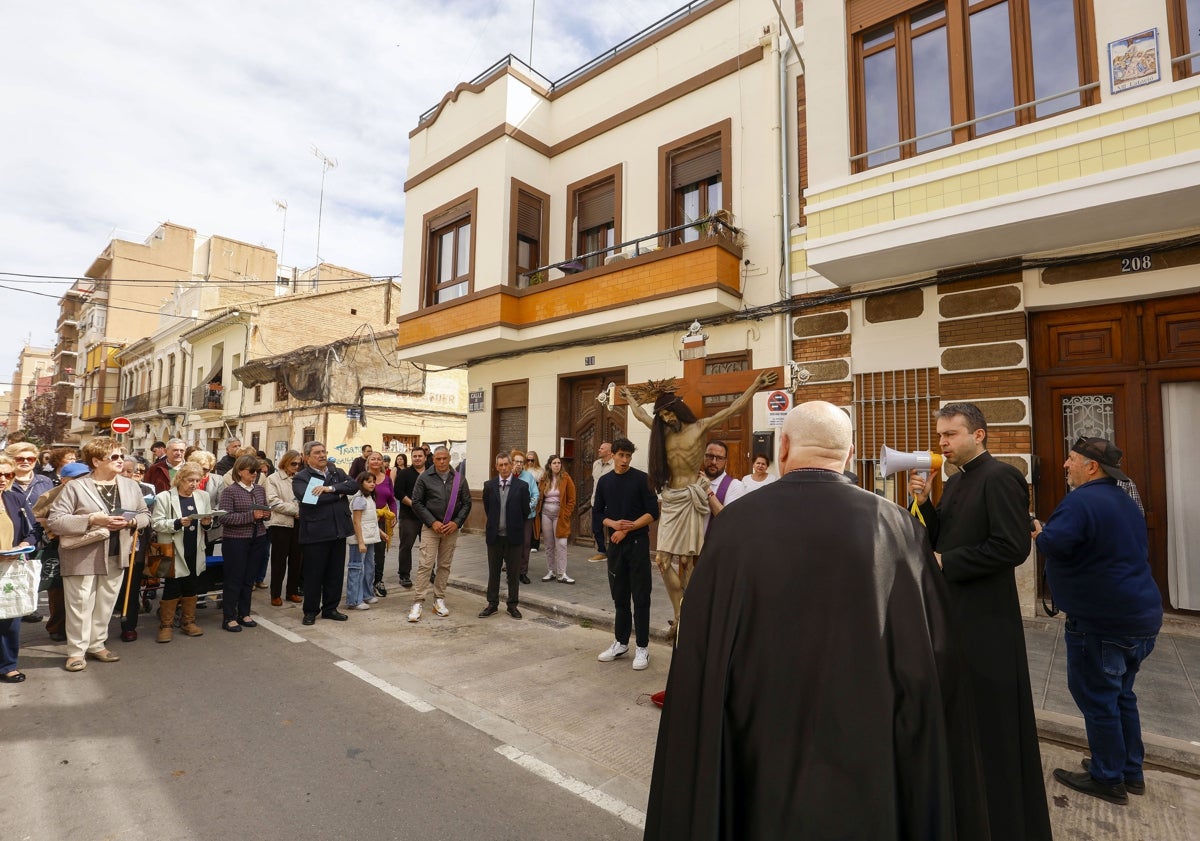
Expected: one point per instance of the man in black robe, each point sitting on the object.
(980, 532)
(816, 691)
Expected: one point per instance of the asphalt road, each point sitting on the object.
(253, 736)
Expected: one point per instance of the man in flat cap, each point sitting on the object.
(1097, 565)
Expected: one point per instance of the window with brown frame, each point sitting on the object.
(694, 173)
(529, 214)
(449, 254)
(1185, 37)
(594, 215)
(928, 75)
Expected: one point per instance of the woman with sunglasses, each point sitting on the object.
(105, 509)
(30, 484)
(16, 530)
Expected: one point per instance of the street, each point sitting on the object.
(376, 728)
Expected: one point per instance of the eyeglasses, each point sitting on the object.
(7, 476)
(25, 458)
(713, 457)
(117, 457)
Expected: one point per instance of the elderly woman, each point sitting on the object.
(103, 510)
(245, 541)
(30, 484)
(285, 537)
(211, 483)
(61, 457)
(180, 516)
(56, 623)
(16, 529)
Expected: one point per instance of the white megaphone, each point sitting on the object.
(893, 461)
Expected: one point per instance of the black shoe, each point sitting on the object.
(334, 615)
(525, 579)
(232, 626)
(380, 590)
(58, 637)
(1137, 787)
(487, 611)
(309, 619)
(1084, 782)
(247, 623)
(32, 617)
(514, 613)
(18, 677)
(406, 582)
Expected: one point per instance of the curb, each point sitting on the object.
(1161, 751)
(602, 619)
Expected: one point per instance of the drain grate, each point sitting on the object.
(553, 623)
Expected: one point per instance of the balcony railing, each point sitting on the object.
(208, 396)
(135, 403)
(163, 396)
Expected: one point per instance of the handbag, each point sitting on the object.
(19, 581)
(51, 571)
(92, 535)
(160, 560)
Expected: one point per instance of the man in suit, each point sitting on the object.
(506, 503)
(324, 526)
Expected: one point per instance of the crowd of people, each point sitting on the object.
(934, 718)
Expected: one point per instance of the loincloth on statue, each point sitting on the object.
(681, 519)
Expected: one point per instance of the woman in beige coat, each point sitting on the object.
(180, 518)
(109, 508)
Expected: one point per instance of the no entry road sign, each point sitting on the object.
(121, 426)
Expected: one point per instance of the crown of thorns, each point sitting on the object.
(653, 390)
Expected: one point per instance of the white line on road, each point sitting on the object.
(607, 802)
(277, 629)
(382, 685)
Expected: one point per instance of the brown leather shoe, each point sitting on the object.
(277, 602)
(296, 599)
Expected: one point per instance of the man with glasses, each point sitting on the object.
(162, 473)
(1097, 565)
(30, 484)
(324, 524)
(722, 488)
(980, 534)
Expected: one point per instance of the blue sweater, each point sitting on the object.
(1097, 562)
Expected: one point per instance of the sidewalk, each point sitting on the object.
(1167, 686)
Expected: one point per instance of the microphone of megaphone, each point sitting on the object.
(894, 461)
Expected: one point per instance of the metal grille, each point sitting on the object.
(1089, 415)
(893, 408)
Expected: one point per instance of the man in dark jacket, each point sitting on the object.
(979, 531)
(817, 690)
(226, 463)
(324, 522)
(442, 500)
(1097, 565)
(506, 503)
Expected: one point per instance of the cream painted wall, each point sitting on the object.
(875, 345)
(1119, 19)
(1152, 284)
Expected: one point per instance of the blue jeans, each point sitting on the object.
(1100, 673)
(360, 574)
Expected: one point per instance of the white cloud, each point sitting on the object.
(121, 115)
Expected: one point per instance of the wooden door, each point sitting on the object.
(582, 418)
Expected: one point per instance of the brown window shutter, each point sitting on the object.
(529, 217)
(690, 167)
(863, 13)
(595, 206)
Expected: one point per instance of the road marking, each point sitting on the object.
(607, 802)
(278, 629)
(382, 685)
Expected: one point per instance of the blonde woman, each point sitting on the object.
(286, 558)
(180, 518)
(16, 530)
(111, 507)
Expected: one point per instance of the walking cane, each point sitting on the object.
(129, 578)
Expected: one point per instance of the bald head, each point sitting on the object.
(816, 434)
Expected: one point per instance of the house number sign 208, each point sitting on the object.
(1137, 263)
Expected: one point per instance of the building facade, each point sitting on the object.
(29, 379)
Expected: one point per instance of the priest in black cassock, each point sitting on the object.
(816, 691)
(980, 535)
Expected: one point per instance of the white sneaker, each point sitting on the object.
(440, 609)
(566, 579)
(549, 576)
(612, 652)
(362, 606)
(641, 659)
(414, 615)
(373, 600)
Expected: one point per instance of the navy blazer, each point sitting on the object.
(515, 513)
(329, 518)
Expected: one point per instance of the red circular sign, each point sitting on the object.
(778, 401)
(120, 426)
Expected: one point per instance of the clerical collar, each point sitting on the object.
(968, 465)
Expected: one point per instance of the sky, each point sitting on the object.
(118, 116)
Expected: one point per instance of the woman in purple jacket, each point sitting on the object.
(245, 542)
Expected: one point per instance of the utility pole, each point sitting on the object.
(327, 163)
(280, 204)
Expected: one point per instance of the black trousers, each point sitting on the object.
(189, 585)
(286, 557)
(598, 531)
(504, 553)
(324, 571)
(380, 556)
(129, 616)
(629, 577)
(242, 558)
(409, 531)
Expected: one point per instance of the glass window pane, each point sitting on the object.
(991, 67)
(691, 211)
(462, 264)
(1055, 66)
(445, 257)
(931, 87)
(1192, 27)
(882, 106)
(878, 37)
(714, 196)
(449, 293)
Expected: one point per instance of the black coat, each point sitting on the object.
(817, 690)
(515, 513)
(981, 528)
(329, 518)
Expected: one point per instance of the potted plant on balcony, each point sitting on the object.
(721, 223)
